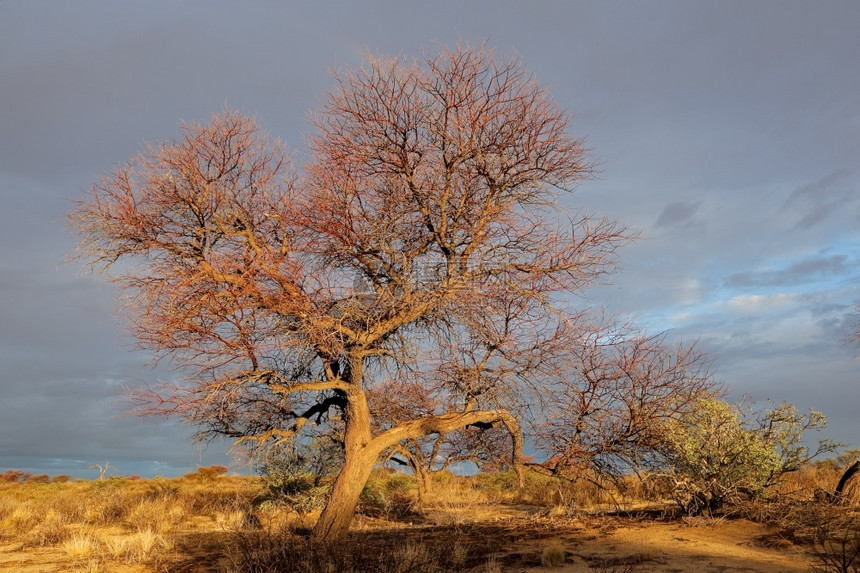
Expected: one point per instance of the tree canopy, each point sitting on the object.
(415, 276)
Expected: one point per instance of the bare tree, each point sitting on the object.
(606, 416)
(422, 244)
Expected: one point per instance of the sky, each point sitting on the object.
(726, 133)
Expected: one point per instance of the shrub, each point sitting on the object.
(837, 545)
(15, 476)
(388, 495)
(298, 490)
(718, 451)
(297, 475)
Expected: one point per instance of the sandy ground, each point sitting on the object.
(676, 547)
(52, 560)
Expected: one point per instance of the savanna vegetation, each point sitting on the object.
(209, 521)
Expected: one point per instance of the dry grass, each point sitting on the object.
(120, 520)
(157, 523)
(81, 546)
(553, 555)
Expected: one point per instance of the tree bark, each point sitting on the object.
(425, 482)
(334, 521)
(360, 455)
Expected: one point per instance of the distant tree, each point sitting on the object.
(15, 476)
(423, 244)
(104, 468)
(207, 473)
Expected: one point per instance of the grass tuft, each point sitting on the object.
(553, 555)
(81, 546)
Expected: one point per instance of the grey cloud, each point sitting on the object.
(677, 213)
(808, 270)
(823, 198)
(826, 187)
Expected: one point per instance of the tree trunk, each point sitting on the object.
(360, 455)
(362, 452)
(334, 521)
(425, 482)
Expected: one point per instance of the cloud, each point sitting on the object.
(809, 270)
(823, 198)
(760, 303)
(677, 213)
(732, 143)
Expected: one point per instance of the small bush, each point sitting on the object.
(161, 488)
(15, 476)
(20, 520)
(837, 545)
(553, 555)
(51, 531)
(388, 495)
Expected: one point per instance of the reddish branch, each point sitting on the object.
(607, 413)
(421, 246)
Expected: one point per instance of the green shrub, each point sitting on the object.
(718, 451)
(297, 490)
(388, 495)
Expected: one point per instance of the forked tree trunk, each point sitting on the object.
(363, 451)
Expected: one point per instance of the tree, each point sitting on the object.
(421, 244)
(606, 416)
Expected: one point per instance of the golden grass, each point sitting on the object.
(121, 521)
(81, 546)
(492, 565)
(553, 555)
